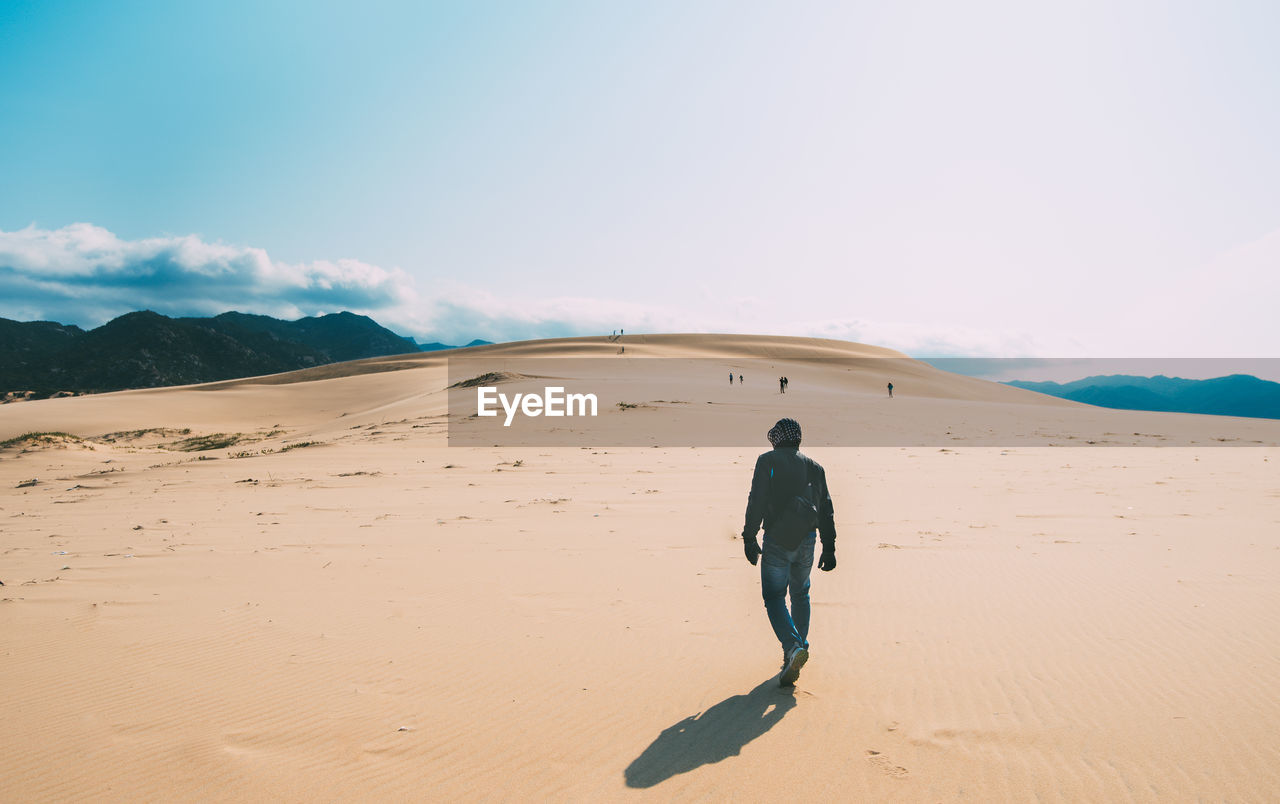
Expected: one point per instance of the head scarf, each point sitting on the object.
(786, 431)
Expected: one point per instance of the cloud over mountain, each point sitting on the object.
(85, 274)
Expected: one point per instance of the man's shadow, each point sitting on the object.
(716, 734)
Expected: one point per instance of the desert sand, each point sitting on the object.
(331, 603)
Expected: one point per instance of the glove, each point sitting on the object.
(827, 561)
(752, 548)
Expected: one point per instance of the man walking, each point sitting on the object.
(789, 495)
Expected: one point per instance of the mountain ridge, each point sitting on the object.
(144, 349)
(1231, 395)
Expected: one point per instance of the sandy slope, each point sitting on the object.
(382, 616)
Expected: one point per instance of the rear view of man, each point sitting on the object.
(789, 495)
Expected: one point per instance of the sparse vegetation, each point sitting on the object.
(489, 378)
(207, 442)
(253, 453)
(133, 435)
(628, 405)
(204, 443)
(35, 439)
(299, 445)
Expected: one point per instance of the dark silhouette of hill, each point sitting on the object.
(33, 342)
(146, 350)
(1234, 395)
(338, 337)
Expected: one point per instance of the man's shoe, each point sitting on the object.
(791, 670)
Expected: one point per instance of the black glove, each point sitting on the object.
(752, 548)
(827, 561)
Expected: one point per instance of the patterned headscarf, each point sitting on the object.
(786, 431)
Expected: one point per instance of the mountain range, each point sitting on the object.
(1234, 395)
(145, 350)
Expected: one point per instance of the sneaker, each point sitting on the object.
(791, 670)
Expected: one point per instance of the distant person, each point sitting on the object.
(731, 378)
(789, 495)
(785, 382)
(891, 390)
(782, 385)
(739, 379)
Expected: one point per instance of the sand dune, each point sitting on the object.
(335, 604)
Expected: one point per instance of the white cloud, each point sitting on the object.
(456, 313)
(85, 274)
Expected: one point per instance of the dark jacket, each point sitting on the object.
(781, 473)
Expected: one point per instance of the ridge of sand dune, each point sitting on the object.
(333, 604)
(660, 345)
(374, 386)
(837, 383)
(712, 345)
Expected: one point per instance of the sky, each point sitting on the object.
(993, 179)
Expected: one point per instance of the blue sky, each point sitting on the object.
(987, 178)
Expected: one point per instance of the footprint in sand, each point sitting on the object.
(885, 765)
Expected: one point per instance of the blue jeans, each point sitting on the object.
(782, 570)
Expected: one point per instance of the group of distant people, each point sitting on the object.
(783, 382)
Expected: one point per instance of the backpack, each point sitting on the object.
(794, 518)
